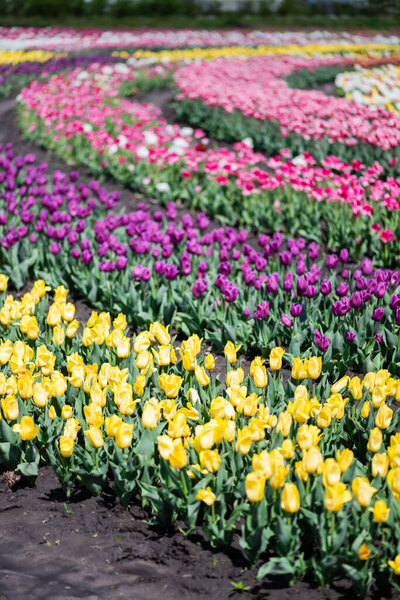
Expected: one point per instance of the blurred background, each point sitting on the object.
(208, 13)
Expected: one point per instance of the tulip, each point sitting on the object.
(170, 384)
(395, 564)
(344, 459)
(262, 464)
(255, 486)
(177, 458)
(336, 496)
(95, 437)
(66, 446)
(314, 366)
(260, 377)
(206, 496)
(380, 465)
(201, 376)
(383, 417)
(26, 429)
(230, 351)
(374, 440)
(210, 460)
(123, 435)
(298, 370)
(364, 552)
(331, 472)
(380, 511)
(10, 408)
(290, 499)
(209, 362)
(278, 477)
(275, 358)
(362, 490)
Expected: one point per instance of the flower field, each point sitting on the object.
(237, 369)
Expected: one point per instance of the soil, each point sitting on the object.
(55, 548)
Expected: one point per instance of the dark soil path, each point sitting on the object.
(52, 548)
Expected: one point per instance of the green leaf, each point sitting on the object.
(276, 566)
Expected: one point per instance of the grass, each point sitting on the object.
(226, 20)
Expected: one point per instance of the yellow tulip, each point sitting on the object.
(71, 428)
(3, 283)
(298, 370)
(206, 496)
(355, 386)
(260, 377)
(52, 413)
(123, 348)
(230, 351)
(383, 417)
(287, 449)
(244, 440)
(284, 424)
(160, 333)
(314, 366)
(336, 496)
(262, 464)
(66, 411)
(362, 490)
(25, 386)
(378, 396)
(95, 437)
(344, 459)
(395, 565)
(93, 415)
(364, 552)
(139, 384)
(380, 511)
(290, 500)
(151, 413)
(380, 465)
(278, 477)
(58, 335)
(27, 429)
(112, 424)
(324, 417)
(393, 479)
(201, 376)
(170, 384)
(234, 378)
(10, 408)
(123, 435)
(40, 395)
(255, 486)
(374, 440)
(209, 362)
(66, 446)
(142, 342)
(178, 457)
(331, 472)
(275, 358)
(143, 359)
(210, 460)
(365, 410)
(165, 446)
(340, 385)
(178, 427)
(312, 460)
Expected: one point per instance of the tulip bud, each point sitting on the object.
(375, 440)
(290, 500)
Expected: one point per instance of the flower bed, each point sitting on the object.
(305, 471)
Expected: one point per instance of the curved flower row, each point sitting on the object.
(379, 86)
(256, 88)
(19, 38)
(309, 467)
(178, 267)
